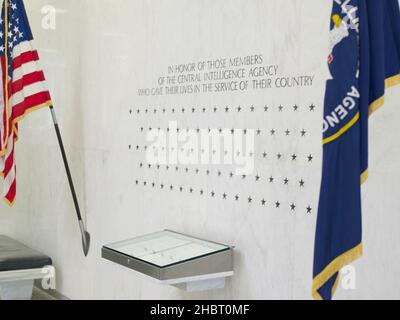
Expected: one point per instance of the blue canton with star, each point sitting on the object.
(18, 28)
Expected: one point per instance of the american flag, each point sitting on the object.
(24, 88)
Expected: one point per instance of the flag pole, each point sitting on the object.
(84, 233)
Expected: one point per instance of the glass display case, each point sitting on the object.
(173, 258)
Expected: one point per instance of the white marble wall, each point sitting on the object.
(99, 54)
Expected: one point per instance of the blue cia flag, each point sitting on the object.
(364, 60)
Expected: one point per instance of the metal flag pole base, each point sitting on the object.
(84, 233)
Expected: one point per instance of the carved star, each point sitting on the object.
(295, 107)
(277, 204)
(294, 157)
(312, 107)
(301, 183)
(293, 207)
(236, 198)
(263, 202)
(310, 158)
(271, 179)
(309, 209)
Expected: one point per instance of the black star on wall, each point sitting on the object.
(271, 179)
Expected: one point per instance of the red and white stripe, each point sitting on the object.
(26, 91)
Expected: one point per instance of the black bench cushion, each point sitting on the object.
(16, 256)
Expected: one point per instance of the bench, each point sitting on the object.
(19, 267)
